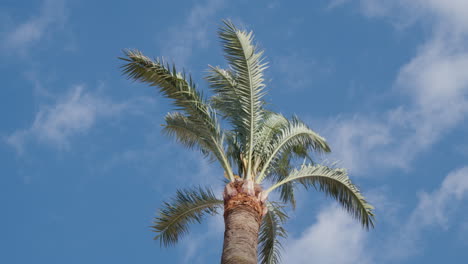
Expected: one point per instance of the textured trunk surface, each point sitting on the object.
(243, 211)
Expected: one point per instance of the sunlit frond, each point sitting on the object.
(335, 183)
(281, 170)
(247, 66)
(186, 98)
(295, 134)
(270, 127)
(172, 84)
(188, 133)
(271, 230)
(187, 207)
(226, 99)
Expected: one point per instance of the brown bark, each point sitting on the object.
(243, 212)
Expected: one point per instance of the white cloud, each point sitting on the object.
(335, 238)
(436, 82)
(355, 140)
(73, 114)
(192, 34)
(52, 15)
(433, 210)
(197, 247)
(433, 207)
(452, 13)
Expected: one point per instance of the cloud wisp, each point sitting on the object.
(183, 39)
(337, 238)
(434, 209)
(435, 81)
(73, 114)
(21, 37)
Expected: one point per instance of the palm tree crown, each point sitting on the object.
(260, 145)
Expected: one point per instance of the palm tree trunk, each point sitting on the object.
(243, 211)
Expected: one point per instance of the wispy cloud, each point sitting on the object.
(356, 139)
(192, 34)
(335, 238)
(71, 115)
(435, 81)
(197, 247)
(406, 12)
(434, 209)
(51, 16)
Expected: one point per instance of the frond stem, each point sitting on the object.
(262, 174)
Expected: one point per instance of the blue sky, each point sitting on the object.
(84, 166)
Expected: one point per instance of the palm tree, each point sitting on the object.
(260, 148)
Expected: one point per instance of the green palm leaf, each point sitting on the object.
(247, 65)
(234, 152)
(335, 183)
(226, 99)
(271, 230)
(280, 172)
(270, 127)
(190, 134)
(188, 206)
(185, 97)
(295, 135)
(171, 84)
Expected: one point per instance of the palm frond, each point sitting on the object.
(234, 152)
(226, 99)
(188, 133)
(171, 84)
(187, 207)
(271, 230)
(186, 98)
(335, 183)
(280, 172)
(295, 135)
(271, 125)
(247, 65)
(287, 194)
